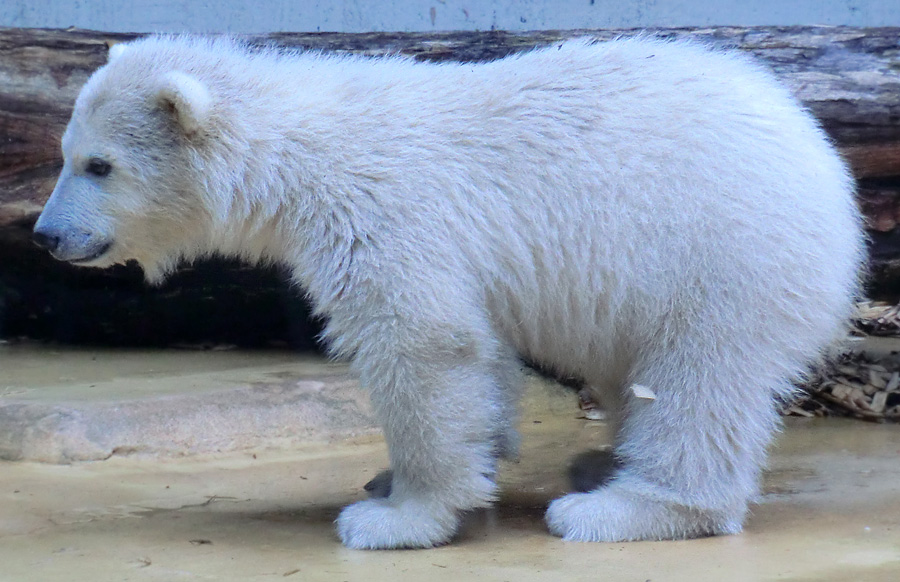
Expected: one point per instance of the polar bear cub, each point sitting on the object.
(635, 212)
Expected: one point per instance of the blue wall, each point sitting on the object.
(247, 16)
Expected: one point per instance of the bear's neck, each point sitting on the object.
(311, 185)
(297, 221)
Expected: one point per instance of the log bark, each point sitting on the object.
(848, 77)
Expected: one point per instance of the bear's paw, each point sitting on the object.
(613, 515)
(380, 524)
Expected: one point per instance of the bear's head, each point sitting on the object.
(132, 185)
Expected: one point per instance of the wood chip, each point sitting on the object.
(878, 319)
(841, 392)
(796, 410)
(643, 392)
(878, 402)
(856, 383)
(893, 383)
(858, 397)
(876, 379)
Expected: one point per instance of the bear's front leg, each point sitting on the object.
(439, 403)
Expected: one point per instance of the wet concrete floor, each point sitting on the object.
(830, 512)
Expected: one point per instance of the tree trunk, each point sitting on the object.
(848, 77)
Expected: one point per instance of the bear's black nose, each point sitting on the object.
(45, 240)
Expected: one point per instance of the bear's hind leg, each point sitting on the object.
(690, 459)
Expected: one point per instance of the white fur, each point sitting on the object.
(115, 50)
(188, 99)
(632, 212)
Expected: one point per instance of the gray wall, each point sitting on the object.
(246, 16)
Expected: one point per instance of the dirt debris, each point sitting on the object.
(877, 318)
(857, 383)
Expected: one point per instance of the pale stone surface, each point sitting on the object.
(831, 512)
(64, 405)
(255, 510)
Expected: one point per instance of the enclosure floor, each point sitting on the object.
(830, 512)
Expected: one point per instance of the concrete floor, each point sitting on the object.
(830, 512)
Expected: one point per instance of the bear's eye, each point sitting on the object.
(98, 167)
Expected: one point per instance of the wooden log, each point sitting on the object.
(879, 206)
(848, 77)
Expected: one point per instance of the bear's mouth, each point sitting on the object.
(102, 250)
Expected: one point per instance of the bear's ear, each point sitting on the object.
(115, 51)
(187, 99)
